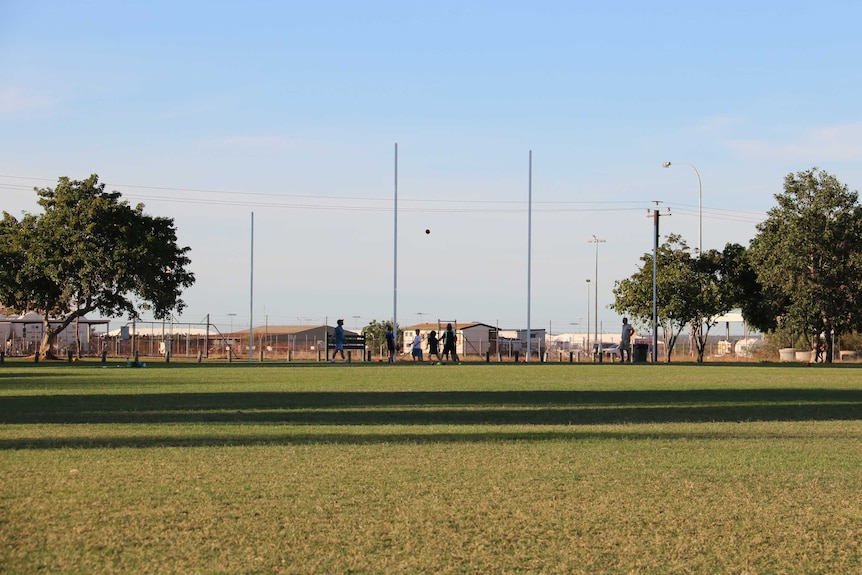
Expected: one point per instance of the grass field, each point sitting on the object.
(554, 468)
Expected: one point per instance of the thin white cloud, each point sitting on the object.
(17, 100)
(719, 124)
(255, 143)
(840, 143)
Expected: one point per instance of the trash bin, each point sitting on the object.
(640, 352)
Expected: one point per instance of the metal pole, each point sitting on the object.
(699, 213)
(588, 350)
(655, 290)
(597, 241)
(251, 294)
(395, 255)
(699, 203)
(529, 250)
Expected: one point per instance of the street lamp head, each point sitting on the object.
(665, 165)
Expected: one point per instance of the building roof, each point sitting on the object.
(146, 330)
(735, 317)
(34, 317)
(289, 329)
(442, 325)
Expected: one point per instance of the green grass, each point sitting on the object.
(418, 469)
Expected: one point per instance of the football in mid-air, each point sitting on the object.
(427, 231)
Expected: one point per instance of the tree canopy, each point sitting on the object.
(808, 253)
(90, 251)
(690, 291)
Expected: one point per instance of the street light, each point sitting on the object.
(231, 316)
(699, 204)
(356, 323)
(588, 315)
(422, 315)
(574, 324)
(597, 241)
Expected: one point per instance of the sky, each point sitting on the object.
(287, 114)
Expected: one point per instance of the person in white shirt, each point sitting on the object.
(417, 347)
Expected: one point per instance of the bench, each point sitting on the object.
(351, 342)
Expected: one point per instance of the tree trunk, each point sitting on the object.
(699, 340)
(48, 338)
(827, 348)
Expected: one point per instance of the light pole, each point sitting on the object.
(231, 316)
(356, 323)
(699, 204)
(696, 331)
(588, 316)
(597, 241)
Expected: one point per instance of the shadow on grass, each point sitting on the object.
(468, 408)
(422, 436)
(449, 407)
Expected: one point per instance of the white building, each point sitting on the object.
(22, 334)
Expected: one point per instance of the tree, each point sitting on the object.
(90, 251)
(809, 253)
(690, 292)
(634, 296)
(375, 333)
(760, 306)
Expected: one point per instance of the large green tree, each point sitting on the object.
(760, 306)
(90, 251)
(808, 252)
(690, 293)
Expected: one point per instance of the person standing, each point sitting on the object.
(339, 341)
(626, 341)
(417, 347)
(449, 339)
(390, 343)
(433, 347)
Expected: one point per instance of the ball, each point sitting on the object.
(427, 231)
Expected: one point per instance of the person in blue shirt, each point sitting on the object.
(339, 341)
(390, 343)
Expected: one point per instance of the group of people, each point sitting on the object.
(448, 340)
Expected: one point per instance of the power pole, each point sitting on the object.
(655, 215)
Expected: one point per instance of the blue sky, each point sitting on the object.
(209, 111)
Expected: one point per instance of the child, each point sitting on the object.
(433, 347)
(417, 347)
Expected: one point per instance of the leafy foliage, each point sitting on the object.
(808, 253)
(375, 333)
(89, 251)
(690, 292)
